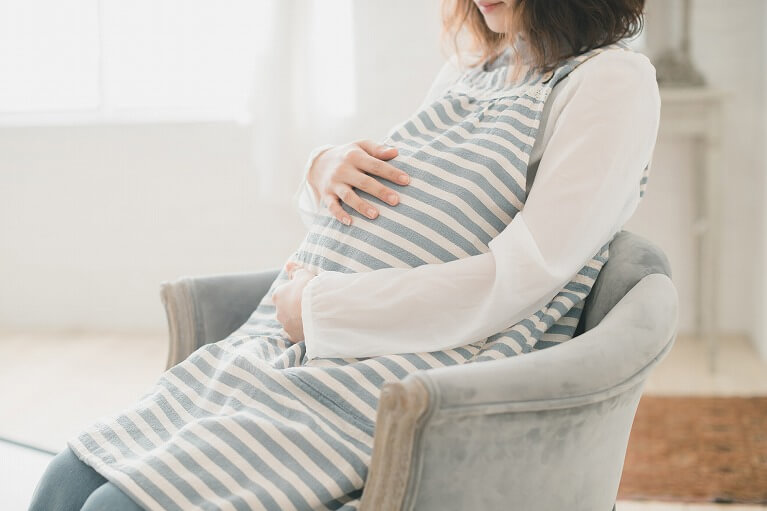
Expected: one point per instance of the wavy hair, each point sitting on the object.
(542, 33)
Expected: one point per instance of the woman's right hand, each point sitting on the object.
(337, 169)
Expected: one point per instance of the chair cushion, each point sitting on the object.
(631, 258)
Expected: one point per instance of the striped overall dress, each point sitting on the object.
(249, 423)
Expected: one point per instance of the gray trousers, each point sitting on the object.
(68, 484)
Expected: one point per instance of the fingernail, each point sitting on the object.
(371, 213)
(404, 179)
(347, 220)
(392, 198)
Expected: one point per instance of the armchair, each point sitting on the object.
(546, 431)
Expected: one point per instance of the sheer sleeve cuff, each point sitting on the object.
(304, 198)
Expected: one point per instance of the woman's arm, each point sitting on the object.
(306, 199)
(586, 188)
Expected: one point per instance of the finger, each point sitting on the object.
(364, 182)
(303, 272)
(346, 194)
(373, 165)
(381, 151)
(291, 269)
(334, 206)
(298, 269)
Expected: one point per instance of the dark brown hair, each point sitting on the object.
(550, 30)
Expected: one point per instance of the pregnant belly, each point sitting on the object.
(425, 226)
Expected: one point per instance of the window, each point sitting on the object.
(137, 60)
(333, 57)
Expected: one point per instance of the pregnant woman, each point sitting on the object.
(467, 262)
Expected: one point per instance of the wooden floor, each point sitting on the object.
(54, 384)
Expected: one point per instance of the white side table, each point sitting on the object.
(697, 112)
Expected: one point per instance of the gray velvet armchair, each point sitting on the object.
(546, 431)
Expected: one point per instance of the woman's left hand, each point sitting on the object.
(287, 300)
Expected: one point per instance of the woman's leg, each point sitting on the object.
(110, 497)
(66, 484)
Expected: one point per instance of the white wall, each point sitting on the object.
(729, 49)
(92, 218)
(761, 334)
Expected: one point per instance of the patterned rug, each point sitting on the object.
(697, 449)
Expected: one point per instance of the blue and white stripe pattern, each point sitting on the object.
(248, 422)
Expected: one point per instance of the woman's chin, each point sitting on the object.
(495, 25)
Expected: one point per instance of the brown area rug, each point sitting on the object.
(697, 449)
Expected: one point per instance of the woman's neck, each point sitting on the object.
(521, 47)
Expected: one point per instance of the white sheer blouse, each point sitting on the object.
(598, 133)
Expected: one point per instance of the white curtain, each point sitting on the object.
(337, 71)
(304, 86)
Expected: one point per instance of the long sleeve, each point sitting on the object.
(605, 124)
(304, 198)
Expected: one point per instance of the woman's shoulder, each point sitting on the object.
(613, 75)
(608, 82)
(616, 67)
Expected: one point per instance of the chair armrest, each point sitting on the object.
(624, 346)
(201, 310)
(562, 414)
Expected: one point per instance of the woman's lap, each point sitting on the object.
(109, 496)
(70, 484)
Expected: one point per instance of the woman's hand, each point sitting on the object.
(336, 170)
(287, 301)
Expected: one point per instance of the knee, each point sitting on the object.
(110, 497)
(66, 484)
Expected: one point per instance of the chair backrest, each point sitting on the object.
(631, 257)
(514, 426)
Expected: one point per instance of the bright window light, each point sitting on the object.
(182, 54)
(48, 55)
(131, 60)
(333, 57)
